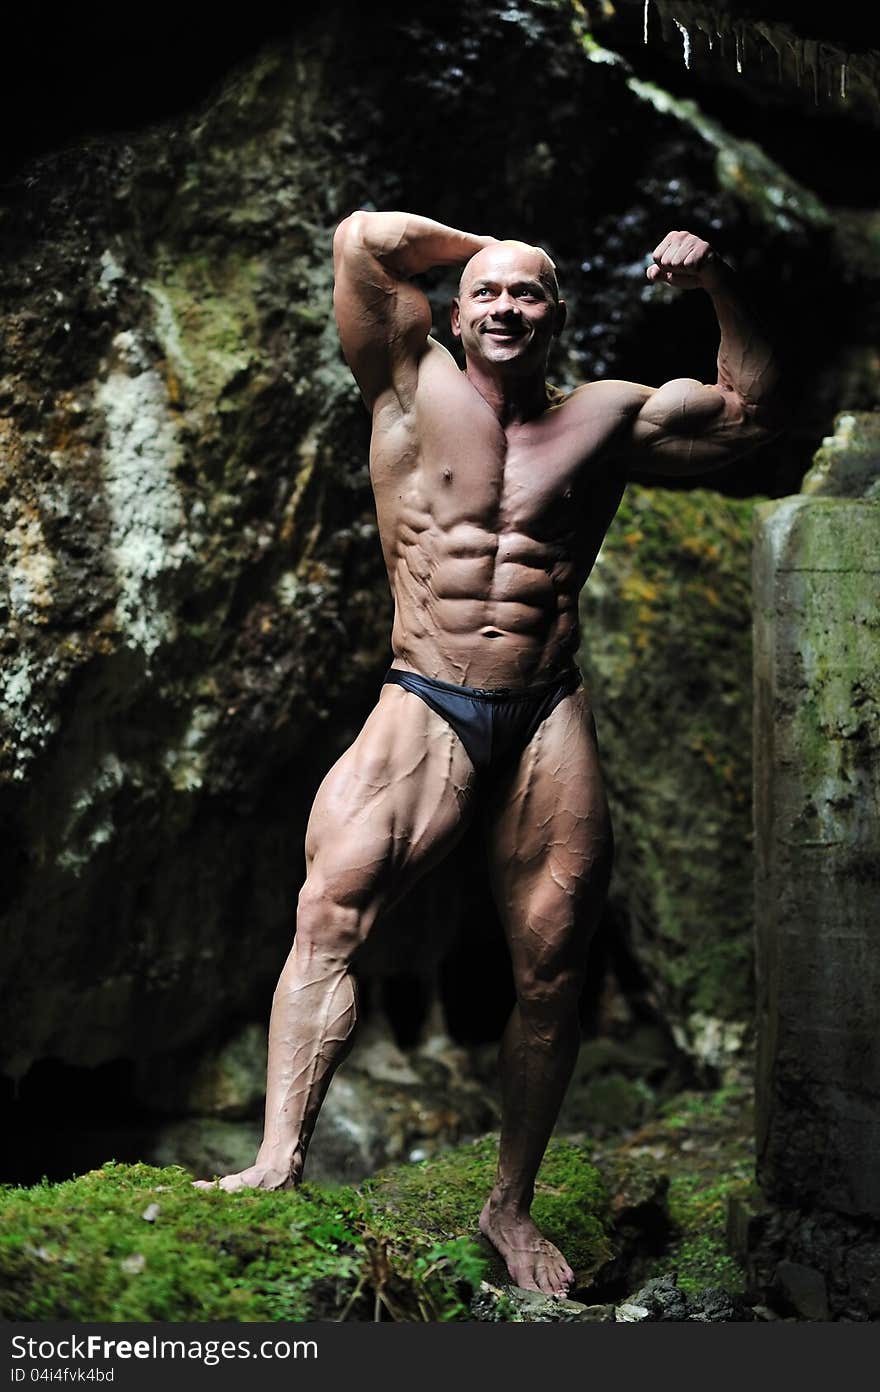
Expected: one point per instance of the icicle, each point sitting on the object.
(707, 32)
(738, 42)
(768, 36)
(843, 81)
(811, 60)
(645, 30)
(685, 40)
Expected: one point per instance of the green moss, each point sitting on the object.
(698, 1211)
(206, 318)
(688, 1108)
(407, 1248)
(718, 1165)
(441, 1199)
(82, 1250)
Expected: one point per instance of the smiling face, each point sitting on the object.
(508, 307)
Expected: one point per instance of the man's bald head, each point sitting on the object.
(507, 254)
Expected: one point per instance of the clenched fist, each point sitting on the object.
(687, 262)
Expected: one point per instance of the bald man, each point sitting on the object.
(493, 493)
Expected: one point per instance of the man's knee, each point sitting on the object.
(548, 996)
(328, 922)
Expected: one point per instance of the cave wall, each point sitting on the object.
(195, 613)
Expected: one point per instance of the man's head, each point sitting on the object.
(508, 308)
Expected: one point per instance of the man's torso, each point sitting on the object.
(489, 533)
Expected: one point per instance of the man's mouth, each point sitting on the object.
(504, 333)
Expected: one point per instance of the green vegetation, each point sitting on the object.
(134, 1242)
(717, 1166)
(699, 1253)
(442, 1196)
(139, 1243)
(84, 1249)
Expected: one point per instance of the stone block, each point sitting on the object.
(817, 850)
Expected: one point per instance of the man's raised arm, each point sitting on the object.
(383, 319)
(686, 426)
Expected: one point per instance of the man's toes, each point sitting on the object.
(526, 1279)
(559, 1278)
(204, 1184)
(547, 1281)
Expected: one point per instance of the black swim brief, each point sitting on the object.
(493, 723)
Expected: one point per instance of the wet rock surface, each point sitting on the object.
(195, 612)
(816, 1264)
(661, 1299)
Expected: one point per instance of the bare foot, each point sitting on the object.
(532, 1261)
(261, 1175)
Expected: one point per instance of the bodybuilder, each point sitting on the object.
(493, 493)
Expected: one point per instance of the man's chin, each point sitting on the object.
(498, 349)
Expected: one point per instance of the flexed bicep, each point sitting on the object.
(687, 427)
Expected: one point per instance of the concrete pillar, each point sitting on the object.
(817, 851)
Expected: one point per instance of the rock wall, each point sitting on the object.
(190, 551)
(195, 611)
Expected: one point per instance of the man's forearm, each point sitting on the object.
(407, 244)
(747, 364)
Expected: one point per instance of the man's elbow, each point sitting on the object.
(765, 421)
(349, 231)
(750, 422)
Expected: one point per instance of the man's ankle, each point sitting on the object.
(511, 1199)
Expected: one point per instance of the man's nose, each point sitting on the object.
(506, 304)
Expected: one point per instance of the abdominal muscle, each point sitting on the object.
(482, 610)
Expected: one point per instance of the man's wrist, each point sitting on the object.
(719, 279)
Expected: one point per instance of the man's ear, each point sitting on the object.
(455, 317)
(561, 316)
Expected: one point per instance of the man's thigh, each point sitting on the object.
(394, 803)
(548, 838)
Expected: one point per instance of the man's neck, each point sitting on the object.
(513, 399)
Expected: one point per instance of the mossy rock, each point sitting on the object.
(134, 1242)
(83, 1250)
(708, 1140)
(441, 1199)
